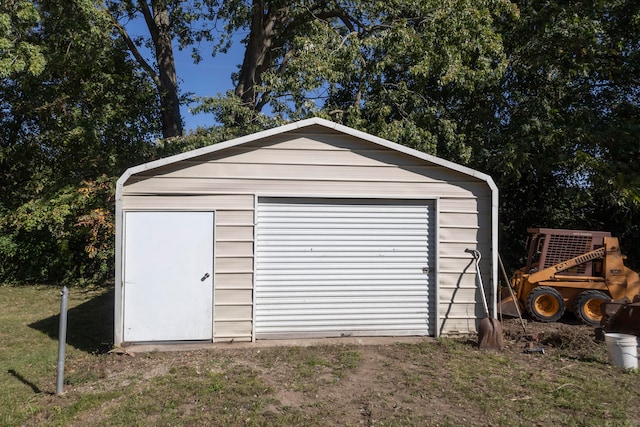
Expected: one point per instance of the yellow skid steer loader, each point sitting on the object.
(570, 269)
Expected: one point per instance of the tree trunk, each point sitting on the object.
(257, 57)
(157, 20)
(169, 100)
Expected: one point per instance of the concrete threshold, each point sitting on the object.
(234, 345)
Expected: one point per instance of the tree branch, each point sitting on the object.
(134, 50)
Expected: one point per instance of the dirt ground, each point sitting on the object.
(550, 374)
(323, 386)
(569, 336)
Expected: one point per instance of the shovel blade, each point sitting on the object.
(490, 334)
(508, 307)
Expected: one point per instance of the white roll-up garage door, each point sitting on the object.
(344, 267)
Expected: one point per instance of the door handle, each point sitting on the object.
(205, 277)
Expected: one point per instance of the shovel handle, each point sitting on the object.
(477, 256)
(476, 253)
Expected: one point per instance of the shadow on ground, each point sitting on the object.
(89, 325)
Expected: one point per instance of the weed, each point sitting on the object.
(216, 382)
(82, 377)
(350, 359)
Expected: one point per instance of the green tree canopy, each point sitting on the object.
(89, 112)
(18, 53)
(405, 70)
(565, 146)
(542, 95)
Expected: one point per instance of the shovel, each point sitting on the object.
(489, 329)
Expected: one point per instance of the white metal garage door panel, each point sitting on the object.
(338, 268)
(168, 276)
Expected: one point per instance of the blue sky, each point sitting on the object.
(207, 78)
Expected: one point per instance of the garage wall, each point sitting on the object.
(318, 162)
(464, 223)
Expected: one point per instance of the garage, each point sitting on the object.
(307, 230)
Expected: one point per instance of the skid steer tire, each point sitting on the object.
(587, 306)
(545, 304)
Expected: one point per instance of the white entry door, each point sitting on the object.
(168, 276)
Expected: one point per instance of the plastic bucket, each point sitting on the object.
(622, 349)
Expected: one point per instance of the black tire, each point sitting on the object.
(587, 306)
(545, 304)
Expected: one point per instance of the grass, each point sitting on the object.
(442, 382)
(28, 354)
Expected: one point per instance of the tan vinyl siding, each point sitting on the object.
(234, 281)
(233, 264)
(235, 249)
(162, 201)
(459, 325)
(310, 171)
(329, 187)
(234, 312)
(459, 235)
(243, 233)
(231, 330)
(467, 220)
(232, 296)
(456, 263)
(323, 164)
(463, 224)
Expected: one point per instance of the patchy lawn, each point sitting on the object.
(443, 382)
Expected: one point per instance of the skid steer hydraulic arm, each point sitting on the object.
(549, 273)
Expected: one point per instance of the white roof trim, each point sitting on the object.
(299, 125)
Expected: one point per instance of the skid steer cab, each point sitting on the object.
(573, 270)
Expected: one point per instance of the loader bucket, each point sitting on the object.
(508, 307)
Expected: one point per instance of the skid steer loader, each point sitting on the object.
(569, 269)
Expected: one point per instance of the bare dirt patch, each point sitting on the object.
(539, 379)
(569, 338)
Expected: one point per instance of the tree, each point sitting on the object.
(17, 21)
(542, 96)
(85, 117)
(401, 69)
(567, 111)
(422, 74)
(188, 23)
(276, 34)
